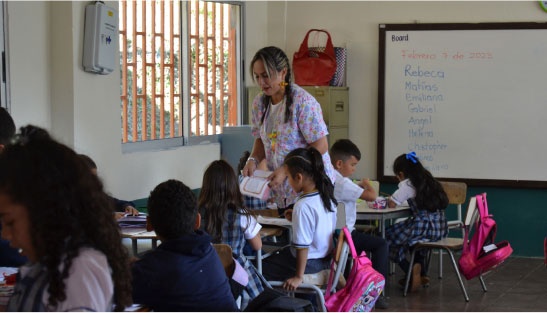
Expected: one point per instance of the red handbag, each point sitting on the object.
(313, 67)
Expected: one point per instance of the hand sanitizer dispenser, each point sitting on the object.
(100, 38)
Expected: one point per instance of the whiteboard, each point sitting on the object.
(469, 99)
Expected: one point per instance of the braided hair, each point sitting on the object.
(430, 195)
(275, 60)
(309, 162)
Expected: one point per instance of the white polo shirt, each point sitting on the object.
(89, 285)
(347, 192)
(313, 226)
(251, 230)
(405, 190)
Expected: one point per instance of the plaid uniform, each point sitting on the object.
(422, 226)
(233, 235)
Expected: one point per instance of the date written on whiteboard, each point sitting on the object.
(445, 55)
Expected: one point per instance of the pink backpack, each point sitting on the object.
(363, 287)
(481, 254)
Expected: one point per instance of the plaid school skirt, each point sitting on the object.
(422, 226)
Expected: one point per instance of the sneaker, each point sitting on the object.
(381, 303)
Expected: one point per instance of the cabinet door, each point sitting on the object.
(338, 108)
(336, 133)
(322, 95)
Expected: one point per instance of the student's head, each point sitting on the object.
(243, 161)
(7, 128)
(173, 210)
(89, 162)
(305, 166)
(344, 156)
(219, 193)
(51, 206)
(430, 195)
(271, 70)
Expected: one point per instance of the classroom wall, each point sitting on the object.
(520, 213)
(354, 24)
(50, 89)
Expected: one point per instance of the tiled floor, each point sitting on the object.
(518, 284)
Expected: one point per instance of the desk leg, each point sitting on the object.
(383, 229)
(134, 246)
(259, 260)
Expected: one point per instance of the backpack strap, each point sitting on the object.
(347, 236)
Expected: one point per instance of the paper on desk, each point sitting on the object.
(273, 221)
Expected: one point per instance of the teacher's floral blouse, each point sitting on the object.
(305, 126)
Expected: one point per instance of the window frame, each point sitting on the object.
(5, 100)
(186, 139)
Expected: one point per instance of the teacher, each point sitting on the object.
(284, 117)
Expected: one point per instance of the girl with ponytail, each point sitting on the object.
(313, 220)
(284, 117)
(427, 199)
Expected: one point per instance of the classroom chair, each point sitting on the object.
(449, 245)
(456, 193)
(224, 252)
(316, 283)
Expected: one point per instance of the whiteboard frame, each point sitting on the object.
(383, 28)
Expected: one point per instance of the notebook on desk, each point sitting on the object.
(278, 221)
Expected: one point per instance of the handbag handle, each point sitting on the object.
(329, 48)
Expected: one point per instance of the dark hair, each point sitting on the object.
(7, 127)
(274, 59)
(309, 162)
(67, 210)
(88, 161)
(220, 193)
(243, 160)
(430, 195)
(343, 149)
(172, 209)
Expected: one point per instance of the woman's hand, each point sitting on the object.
(277, 177)
(292, 283)
(131, 211)
(249, 168)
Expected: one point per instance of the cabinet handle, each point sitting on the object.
(339, 106)
(319, 92)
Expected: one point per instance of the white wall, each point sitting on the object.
(49, 88)
(28, 49)
(355, 25)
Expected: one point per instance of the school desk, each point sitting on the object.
(139, 233)
(271, 227)
(364, 213)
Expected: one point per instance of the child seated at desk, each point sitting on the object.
(427, 200)
(228, 220)
(56, 211)
(344, 157)
(313, 221)
(184, 273)
(9, 256)
(120, 206)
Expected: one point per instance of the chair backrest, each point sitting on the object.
(224, 252)
(376, 186)
(456, 192)
(340, 215)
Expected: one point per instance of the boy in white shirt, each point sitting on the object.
(344, 157)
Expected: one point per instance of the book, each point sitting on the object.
(278, 221)
(257, 185)
(130, 221)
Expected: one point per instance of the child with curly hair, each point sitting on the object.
(55, 210)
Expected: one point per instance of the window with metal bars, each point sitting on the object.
(179, 68)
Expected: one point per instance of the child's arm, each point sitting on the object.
(368, 194)
(390, 203)
(256, 242)
(301, 259)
